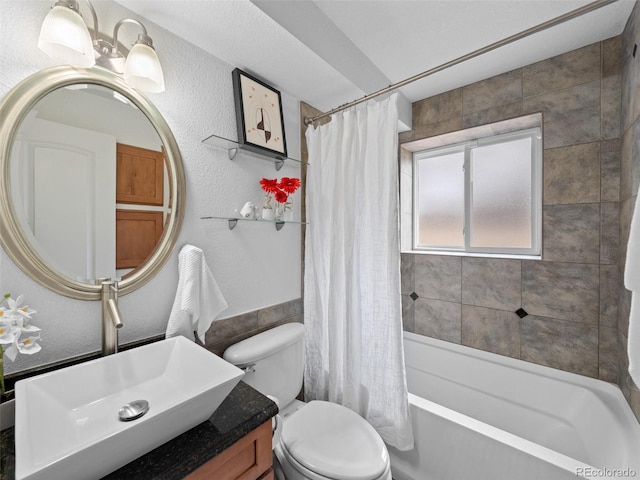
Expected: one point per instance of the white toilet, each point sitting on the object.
(319, 440)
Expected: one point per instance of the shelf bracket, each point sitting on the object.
(279, 163)
(279, 226)
(232, 153)
(232, 223)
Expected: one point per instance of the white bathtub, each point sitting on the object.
(481, 416)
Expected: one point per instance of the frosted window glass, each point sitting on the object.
(441, 200)
(501, 195)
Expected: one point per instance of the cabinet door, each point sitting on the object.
(137, 234)
(139, 175)
(250, 458)
(268, 475)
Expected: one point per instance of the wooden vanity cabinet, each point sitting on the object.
(250, 458)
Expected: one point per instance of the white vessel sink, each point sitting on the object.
(67, 421)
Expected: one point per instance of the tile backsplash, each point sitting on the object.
(226, 332)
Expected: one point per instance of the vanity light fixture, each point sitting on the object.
(65, 36)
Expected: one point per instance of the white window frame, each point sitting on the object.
(536, 197)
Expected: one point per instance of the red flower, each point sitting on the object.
(269, 185)
(281, 197)
(289, 185)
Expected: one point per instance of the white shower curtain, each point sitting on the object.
(352, 302)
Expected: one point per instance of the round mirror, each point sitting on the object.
(92, 182)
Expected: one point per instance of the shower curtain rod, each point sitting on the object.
(500, 43)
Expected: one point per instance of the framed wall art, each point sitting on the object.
(259, 115)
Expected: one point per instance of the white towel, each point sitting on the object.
(632, 283)
(198, 298)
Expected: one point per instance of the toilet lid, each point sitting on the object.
(335, 442)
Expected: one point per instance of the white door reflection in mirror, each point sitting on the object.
(67, 197)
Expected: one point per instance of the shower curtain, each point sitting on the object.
(352, 304)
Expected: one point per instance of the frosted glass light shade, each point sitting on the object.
(65, 36)
(143, 70)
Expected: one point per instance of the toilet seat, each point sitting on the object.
(330, 441)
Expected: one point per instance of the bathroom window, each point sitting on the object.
(480, 196)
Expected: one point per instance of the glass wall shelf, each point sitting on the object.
(233, 146)
(234, 221)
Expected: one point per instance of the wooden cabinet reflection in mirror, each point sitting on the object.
(140, 177)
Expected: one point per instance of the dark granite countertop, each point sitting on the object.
(242, 411)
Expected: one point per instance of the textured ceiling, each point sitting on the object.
(329, 52)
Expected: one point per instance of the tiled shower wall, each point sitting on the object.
(571, 296)
(630, 177)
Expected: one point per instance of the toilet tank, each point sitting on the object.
(273, 361)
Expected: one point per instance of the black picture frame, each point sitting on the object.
(259, 116)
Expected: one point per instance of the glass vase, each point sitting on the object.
(278, 213)
(267, 214)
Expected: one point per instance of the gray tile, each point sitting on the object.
(498, 90)
(630, 71)
(609, 295)
(568, 291)
(612, 56)
(610, 107)
(492, 114)
(560, 344)
(571, 116)
(438, 319)
(438, 277)
(219, 347)
(627, 208)
(624, 310)
(491, 330)
(610, 233)
(571, 233)
(629, 84)
(438, 108)
(405, 137)
(572, 174)
(630, 161)
(631, 29)
(633, 168)
(408, 313)
(407, 273)
(491, 283)
(626, 165)
(282, 311)
(521, 122)
(427, 130)
(230, 328)
(567, 70)
(630, 33)
(608, 354)
(610, 170)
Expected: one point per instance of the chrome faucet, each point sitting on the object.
(111, 318)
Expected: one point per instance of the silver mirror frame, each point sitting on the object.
(14, 107)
